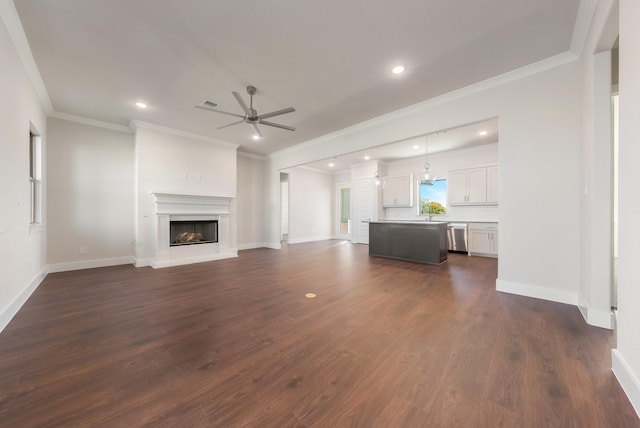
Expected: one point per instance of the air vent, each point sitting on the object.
(208, 104)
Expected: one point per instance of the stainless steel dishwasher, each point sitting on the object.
(457, 237)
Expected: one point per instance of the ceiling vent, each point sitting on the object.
(208, 104)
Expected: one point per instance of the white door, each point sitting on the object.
(364, 209)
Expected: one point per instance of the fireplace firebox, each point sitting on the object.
(193, 232)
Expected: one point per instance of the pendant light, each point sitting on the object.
(379, 181)
(430, 175)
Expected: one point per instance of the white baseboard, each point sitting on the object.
(142, 262)
(595, 317)
(90, 264)
(311, 239)
(627, 379)
(537, 291)
(252, 246)
(273, 245)
(190, 260)
(12, 308)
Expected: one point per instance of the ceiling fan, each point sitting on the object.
(251, 116)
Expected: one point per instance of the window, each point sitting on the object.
(432, 197)
(35, 176)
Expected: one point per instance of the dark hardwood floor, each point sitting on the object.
(236, 343)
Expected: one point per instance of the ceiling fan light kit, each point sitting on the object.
(251, 116)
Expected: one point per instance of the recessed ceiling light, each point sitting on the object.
(256, 137)
(367, 157)
(416, 147)
(483, 133)
(140, 104)
(331, 164)
(398, 69)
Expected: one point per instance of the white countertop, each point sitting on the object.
(414, 221)
(421, 222)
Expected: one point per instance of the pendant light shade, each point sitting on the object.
(429, 175)
(378, 179)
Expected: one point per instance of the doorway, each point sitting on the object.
(615, 58)
(614, 286)
(364, 209)
(284, 207)
(343, 192)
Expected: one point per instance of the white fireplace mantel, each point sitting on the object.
(175, 204)
(171, 206)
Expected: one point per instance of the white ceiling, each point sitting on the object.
(329, 59)
(461, 137)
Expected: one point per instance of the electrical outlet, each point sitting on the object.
(83, 250)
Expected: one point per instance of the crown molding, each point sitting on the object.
(496, 81)
(584, 20)
(312, 169)
(11, 20)
(91, 122)
(251, 156)
(136, 124)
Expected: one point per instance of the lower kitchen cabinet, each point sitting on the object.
(483, 239)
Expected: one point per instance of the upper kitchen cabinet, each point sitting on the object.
(473, 186)
(398, 191)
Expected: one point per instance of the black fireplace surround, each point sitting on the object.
(192, 232)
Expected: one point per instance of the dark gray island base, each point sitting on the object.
(422, 242)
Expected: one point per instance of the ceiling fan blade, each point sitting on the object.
(277, 125)
(217, 111)
(256, 129)
(277, 113)
(231, 124)
(244, 106)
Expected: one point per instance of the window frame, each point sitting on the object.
(35, 179)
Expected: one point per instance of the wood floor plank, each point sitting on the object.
(235, 343)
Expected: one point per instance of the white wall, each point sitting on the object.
(597, 185)
(22, 248)
(91, 194)
(250, 202)
(171, 163)
(442, 163)
(539, 116)
(626, 359)
(342, 177)
(311, 205)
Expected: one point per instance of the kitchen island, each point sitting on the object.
(416, 241)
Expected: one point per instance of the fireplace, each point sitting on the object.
(193, 232)
(184, 221)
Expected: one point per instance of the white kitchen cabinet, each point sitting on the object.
(398, 191)
(473, 186)
(483, 239)
(457, 186)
